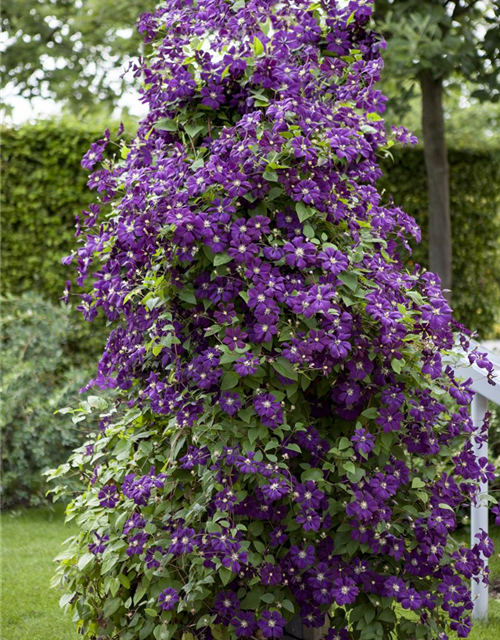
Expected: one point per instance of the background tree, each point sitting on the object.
(66, 49)
(433, 45)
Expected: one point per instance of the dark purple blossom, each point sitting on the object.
(230, 402)
(363, 440)
(344, 591)
(244, 624)
(168, 598)
(98, 546)
(271, 623)
(108, 496)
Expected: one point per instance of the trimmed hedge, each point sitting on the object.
(475, 208)
(44, 187)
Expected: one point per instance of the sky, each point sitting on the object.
(24, 110)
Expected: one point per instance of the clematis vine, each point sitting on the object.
(287, 437)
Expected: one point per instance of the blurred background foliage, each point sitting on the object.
(475, 214)
(38, 378)
(74, 51)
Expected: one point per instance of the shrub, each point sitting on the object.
(35, 382)
(288, 437)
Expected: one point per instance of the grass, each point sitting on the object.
(31, 538)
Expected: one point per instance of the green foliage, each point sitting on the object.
(455, 39)
(475, 209)
(36, 382)
(43, 188)
(64, 48)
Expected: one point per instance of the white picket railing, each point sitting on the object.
(484, 391)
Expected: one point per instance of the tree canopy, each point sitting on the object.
(454, 39)
(73, 51)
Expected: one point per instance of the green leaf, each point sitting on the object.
(344, 443)
(151, 612)
(311, 474)
(124, 580)
(283, 366)
(221, 258)
(225, 575)
(229, 380)
(387, 615)
(356, 476)
(303, 211)
(397, 365)
(187, 295)
(84, 560)
(288, 605)
(443, 505)
(309, 231)
(193, 129)
(349, 279)
(256, 528)
(267, 597)
(270, 176)
(386, 439)
(350, 19)
(274, 193)
(166, 124)
(157, 349)
(215, 328)
(111, 605)
(232, 356)
(139, 594)
(258, 47)
(417, 483)
(350, 467)
(252, 600)
(246, 414)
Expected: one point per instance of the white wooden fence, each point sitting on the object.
(479, 512)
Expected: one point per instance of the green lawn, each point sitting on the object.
(29, 608)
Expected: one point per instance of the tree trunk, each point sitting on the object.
(438, 186)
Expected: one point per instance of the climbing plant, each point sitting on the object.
(287, 436)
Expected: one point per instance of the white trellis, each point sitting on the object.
(479, 513)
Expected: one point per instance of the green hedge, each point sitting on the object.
(475, 207)
(44, 186)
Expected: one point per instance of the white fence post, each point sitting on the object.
(479, 512)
